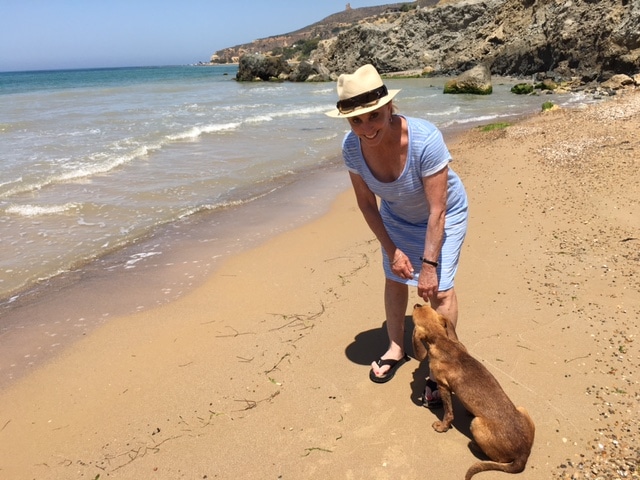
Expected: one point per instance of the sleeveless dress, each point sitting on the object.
(403, 204)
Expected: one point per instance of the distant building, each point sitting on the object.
(348, 7)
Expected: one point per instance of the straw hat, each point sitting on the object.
(360, 93)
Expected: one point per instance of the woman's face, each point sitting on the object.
(371, 127)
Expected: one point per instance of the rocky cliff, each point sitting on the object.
(588, 39)
(583, 39)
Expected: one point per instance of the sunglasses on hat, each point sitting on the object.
(366, 99)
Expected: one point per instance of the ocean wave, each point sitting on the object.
(259, 119)
(103, 162)
(326, 138)
(98, 164)
(297, 112)
(410, 99)
(80, 133)
(478, 119)
(310, 110)
(9, 182)
(212, 207)
(195, 132)
(267, 89)
(38, 210)
(324, 91)
(444, 113)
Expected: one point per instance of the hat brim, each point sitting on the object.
(335, 113)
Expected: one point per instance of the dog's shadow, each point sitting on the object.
(368, 345)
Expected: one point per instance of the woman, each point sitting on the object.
(422, 218)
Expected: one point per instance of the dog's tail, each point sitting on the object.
(516, 466)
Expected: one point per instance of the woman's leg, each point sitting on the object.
(446, 304)
(396, 296)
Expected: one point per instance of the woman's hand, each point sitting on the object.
(428, 282)
(401, 265)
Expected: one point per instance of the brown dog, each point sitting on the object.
(502, 431)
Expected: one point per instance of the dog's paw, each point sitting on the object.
(441, 427)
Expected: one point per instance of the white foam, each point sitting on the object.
(194, 132)
(259, 119)
(99, 163)
(38, 210)
(444, 113)
(478, 119)
(138, 257)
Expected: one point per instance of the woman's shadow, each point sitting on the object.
(368, 345)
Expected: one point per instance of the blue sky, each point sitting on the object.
(57, 34)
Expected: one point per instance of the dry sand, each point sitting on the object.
(262, 372)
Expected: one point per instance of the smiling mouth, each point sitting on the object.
(371, 137)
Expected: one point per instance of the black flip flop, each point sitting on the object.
(435, 402)
(393, 364)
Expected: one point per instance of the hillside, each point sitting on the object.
(322, 30)
(579, 40)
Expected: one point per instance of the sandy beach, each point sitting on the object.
(262, 370)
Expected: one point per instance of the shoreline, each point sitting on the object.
(92, 238)
(39, 322)
(168, 264)
(261, 369)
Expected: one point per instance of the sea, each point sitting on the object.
(107, 172)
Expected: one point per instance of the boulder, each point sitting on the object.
(428, 71)
(307, 71)
(618, 81)
(547, 84)
(476, 81)
(256, 67)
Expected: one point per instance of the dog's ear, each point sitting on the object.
(419, 350)
(418, 338)
(449, 328)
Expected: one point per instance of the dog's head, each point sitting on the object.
(429, 327)
(429, 322)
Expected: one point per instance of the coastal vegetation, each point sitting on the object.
(522, 89)
(494, 126)
(300, 50)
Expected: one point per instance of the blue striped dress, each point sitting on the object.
(403, 204)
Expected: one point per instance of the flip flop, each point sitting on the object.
(431, 396)
(393, 364)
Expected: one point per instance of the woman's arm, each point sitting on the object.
(435, 188)
(368, 205)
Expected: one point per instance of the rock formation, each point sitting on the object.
(476, 81)
(262, 67)
(571, 38)
(579, 40)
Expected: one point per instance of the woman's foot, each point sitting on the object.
(431, 396)
(383, 369)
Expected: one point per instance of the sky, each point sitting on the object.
(62, 34)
